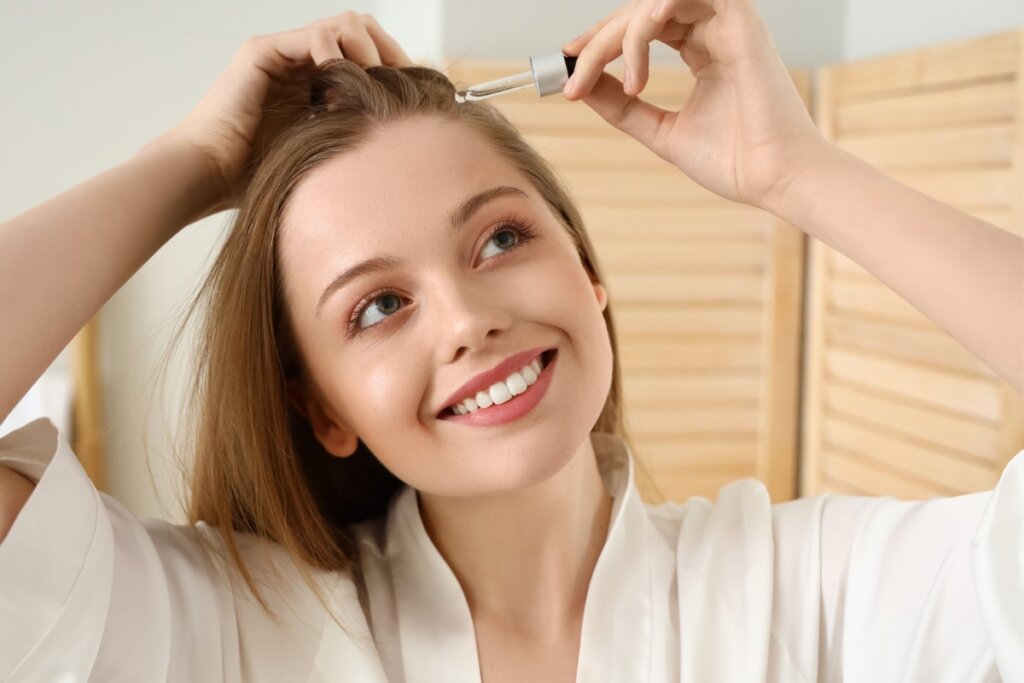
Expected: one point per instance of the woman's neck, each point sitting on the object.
(526, 556)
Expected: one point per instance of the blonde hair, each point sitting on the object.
(257, 468)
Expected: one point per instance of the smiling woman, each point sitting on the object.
(407, 393)
(391, 248)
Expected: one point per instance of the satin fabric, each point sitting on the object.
(828, 588)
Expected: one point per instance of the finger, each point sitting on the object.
(324, 46)
(662, 20)
(391, 53)
(697, 38)
(357, 45)
(635, 117)
(603, 48)
(636, 45)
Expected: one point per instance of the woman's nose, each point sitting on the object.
(468, 316)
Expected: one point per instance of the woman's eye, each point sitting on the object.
(506, 238)
(386, 305)
(378, 308)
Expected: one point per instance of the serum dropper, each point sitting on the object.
(548, 74)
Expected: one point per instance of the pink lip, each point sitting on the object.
(513, 409)
(484, 380)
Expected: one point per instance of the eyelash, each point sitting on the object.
(524, 229)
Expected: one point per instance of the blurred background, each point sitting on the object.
(87, 84)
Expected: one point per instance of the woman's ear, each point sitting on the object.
(337, 438)
(601, 294)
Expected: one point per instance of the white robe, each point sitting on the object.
(827, 588)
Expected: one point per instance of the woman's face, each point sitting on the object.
(389, 347)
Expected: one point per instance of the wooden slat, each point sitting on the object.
(683, 287)
(678, 223)
(818, 304)
(912, 422)
(990, 145)
(632, 255)
(681, 486)
(588, 152)
(971, 396)
(678, 421)
(725, 355)
(556, 116)
(948, 472)
(916, 345)
(602, 187)
(781, 360)
(88, 440)
(647, 321)
(840, 488)
(871, 299)
(939, 66)
(988, 102)
(699, 451)
(657, 388)
(880, 482)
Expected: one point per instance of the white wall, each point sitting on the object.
(807, 32)
(877, 27)
(87, 84)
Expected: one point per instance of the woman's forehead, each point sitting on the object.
(407, 175)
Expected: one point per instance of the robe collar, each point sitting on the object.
(434, 621)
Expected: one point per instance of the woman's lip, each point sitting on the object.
(499, 372)
(514, 408)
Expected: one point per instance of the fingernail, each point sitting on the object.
(570, 85)
(660, 9)
(627, 81)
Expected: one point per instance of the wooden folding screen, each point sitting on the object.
(892, 404)
(706, 294)
(87, 437)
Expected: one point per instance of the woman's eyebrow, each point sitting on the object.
(456, 220)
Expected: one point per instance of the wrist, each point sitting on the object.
(786, 198)
(206, 191)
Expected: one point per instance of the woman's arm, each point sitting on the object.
(62, 260)
(963, 273)
(745, 134)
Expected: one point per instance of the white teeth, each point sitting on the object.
(516, 383)
(528, 374)
(501, 392)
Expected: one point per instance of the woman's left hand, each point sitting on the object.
(743, 133)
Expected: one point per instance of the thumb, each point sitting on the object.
(639, 119)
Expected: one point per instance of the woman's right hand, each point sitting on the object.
(267, 84)
(744, 131)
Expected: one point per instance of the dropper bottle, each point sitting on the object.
(548, 74)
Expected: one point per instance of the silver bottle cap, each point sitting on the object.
(551, 72)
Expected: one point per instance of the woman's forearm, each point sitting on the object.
(62, 260)
(964, 274)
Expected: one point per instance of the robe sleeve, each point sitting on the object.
(89, 592)
(924, 590)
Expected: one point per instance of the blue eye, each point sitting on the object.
(387, 309)
(503, 244)
(507, 235)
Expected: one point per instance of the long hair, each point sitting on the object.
(257, 467)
